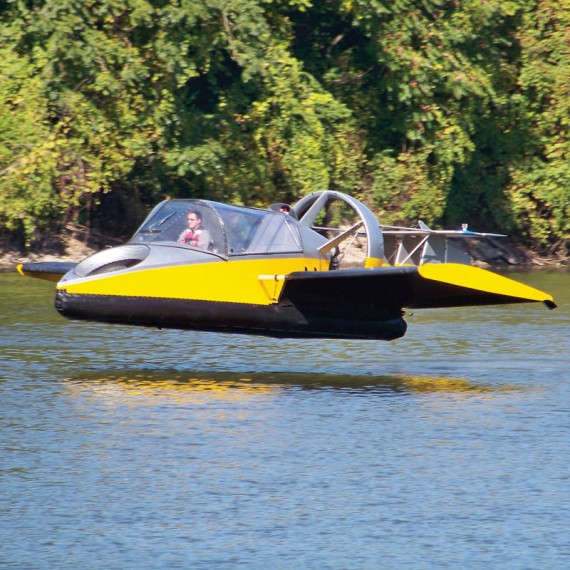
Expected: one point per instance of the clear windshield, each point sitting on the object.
(251, 231)
(169, 222)
(230, 230)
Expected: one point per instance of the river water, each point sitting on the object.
(126, 448)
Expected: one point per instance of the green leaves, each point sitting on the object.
(445, 111)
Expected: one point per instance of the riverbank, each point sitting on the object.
(75, 250)
(507, 253)
(72, 247)
(74, 244)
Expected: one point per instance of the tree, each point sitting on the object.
(204, 95)
(444, 111)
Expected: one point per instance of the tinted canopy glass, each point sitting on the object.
(230, 230)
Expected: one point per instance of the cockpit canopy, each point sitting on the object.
(233, 230)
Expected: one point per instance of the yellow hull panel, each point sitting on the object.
(256, 281)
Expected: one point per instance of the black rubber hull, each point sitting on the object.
(283, 320)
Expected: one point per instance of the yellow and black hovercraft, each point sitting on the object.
(277, 272)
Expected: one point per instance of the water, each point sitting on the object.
(131, 448)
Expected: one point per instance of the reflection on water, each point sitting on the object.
(137, 448)
(228, 386)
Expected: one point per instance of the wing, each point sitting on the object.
(384, 291)
(46, 270)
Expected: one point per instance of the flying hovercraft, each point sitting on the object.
(281, 272)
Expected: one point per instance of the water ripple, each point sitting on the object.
(137, 448)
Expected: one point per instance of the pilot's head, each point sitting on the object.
(194, 219)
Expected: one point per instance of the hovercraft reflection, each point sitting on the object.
(276, 272)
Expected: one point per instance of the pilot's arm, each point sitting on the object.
(204, 239)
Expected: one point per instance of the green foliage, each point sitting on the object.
(28, 147)
(444, 111)
(538, 189)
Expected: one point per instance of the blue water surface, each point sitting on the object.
(136, 448)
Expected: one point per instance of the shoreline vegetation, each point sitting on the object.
(77, 244)
(443, 112)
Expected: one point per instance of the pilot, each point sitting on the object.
(195, 235)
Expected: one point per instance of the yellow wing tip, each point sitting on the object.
(482, 280)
